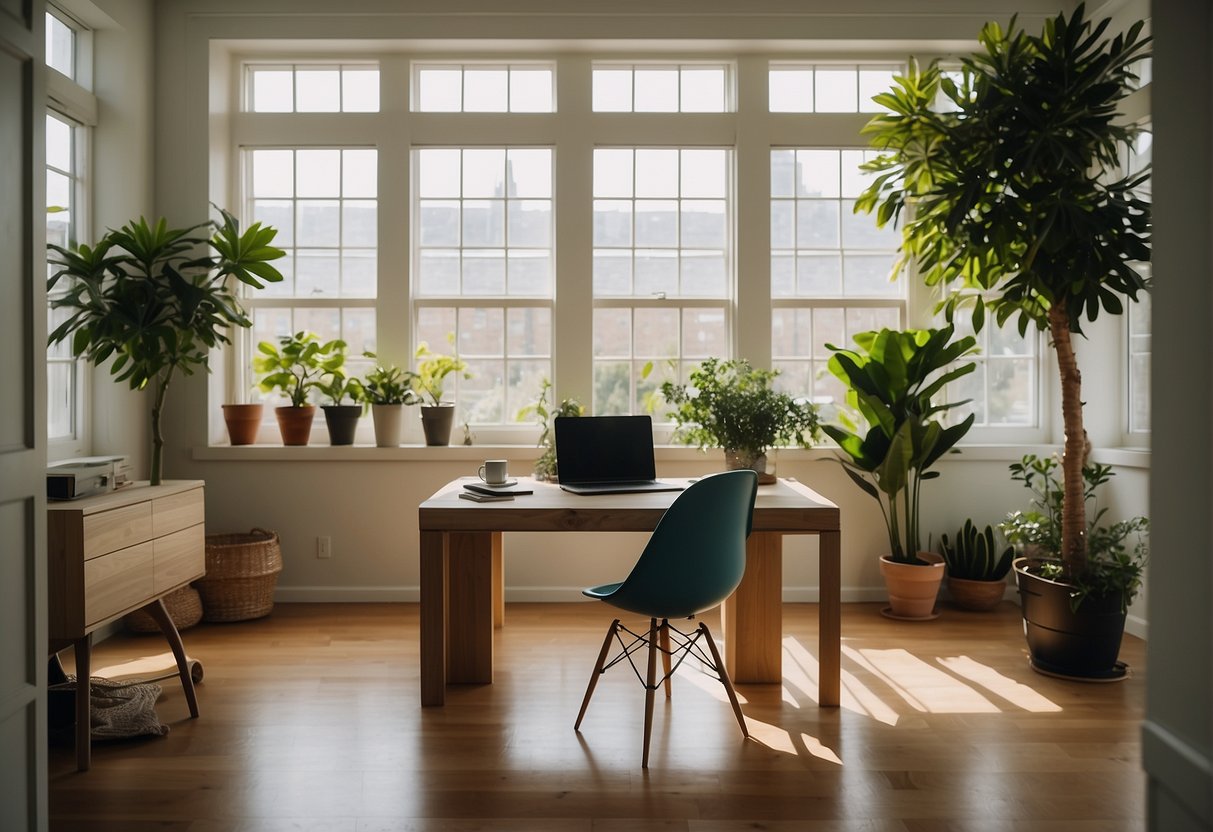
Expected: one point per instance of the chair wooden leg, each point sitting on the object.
(649, 689)
(665, 654)
(724, 679)
(602, 654)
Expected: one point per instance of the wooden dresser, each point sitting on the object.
(114, 553)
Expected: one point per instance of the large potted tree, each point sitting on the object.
(733, 406)
(157, 299)
(1020, 211)
(892, 379)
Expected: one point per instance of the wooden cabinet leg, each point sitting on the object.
(159, 614)
(84, 694)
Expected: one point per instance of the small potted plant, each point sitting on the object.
(437, 416)
(295, 366)
(545, 466)
(340, 418)
(158, 299)
(387, 389)
(730, 405)
(1074, 623)
(977, 570)
(891, 379)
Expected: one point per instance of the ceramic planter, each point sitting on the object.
(912, 587)
(295, 423)
(436, 422)
(1062, 641)
(243, 421)
(389, 424)
(342, 422)
(976, 595)
(738, 460)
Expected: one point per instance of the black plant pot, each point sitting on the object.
(342, 421)
(1082, 643)
(436, 423)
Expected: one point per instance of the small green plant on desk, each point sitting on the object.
(545, 466)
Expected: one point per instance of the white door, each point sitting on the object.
(22, 418)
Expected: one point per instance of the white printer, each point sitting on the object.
(72, 478)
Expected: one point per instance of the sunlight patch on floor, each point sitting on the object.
(920, 685)
(779, 739)
(1016, 693)
(801, 669)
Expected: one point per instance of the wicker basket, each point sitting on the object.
(241, 572)
(184, 607)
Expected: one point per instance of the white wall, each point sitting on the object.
(122, 189)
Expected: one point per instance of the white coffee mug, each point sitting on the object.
(493, 471)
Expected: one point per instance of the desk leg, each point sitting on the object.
(752, 617)
(159, 614)
(433, 617)
(498, 580)
(829, 624)
(469, 657)
(84, 700)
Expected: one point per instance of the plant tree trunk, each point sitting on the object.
(1073, 506)
(158, 437)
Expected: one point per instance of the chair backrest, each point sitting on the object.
(696, 556)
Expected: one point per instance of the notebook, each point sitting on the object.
(607, 455)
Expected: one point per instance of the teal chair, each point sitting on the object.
(693, 561)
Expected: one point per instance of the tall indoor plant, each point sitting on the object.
(1019, 207)
(157, 299)
(733, 406)
(892, 379)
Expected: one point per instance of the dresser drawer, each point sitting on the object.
(117, 528)
(117, 582)
(179, 557)
(177, 512)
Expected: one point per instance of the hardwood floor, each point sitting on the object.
(310, 721)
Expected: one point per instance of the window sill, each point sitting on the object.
(1119, 457)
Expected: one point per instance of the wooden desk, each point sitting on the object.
(112, 554)
(462, 589)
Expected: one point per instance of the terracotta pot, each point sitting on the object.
(436, 422)
(295, 423)
(913, 587)
(342, 422)
(243, 421)
(389, 424)
(976, 595)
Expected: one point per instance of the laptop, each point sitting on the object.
(607, 455)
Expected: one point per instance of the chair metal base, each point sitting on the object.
(658, 640)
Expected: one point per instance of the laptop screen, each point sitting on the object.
(604, 448)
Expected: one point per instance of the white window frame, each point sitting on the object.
(71, 100)
(573, 131)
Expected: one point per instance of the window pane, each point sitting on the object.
(791, 91)
(612, 173)
(439, 173)
(318, 173)
(702, 90)
(360, 90)
(58, 144)
(531, 90)
(273, 90)
(837, 90)
(530, 172)
(483, 173)
(318, 90)
(657, 173)
(273, 173)
(612, 91)
(873, 81)
(656, 91)
(60, 46)
(440, 90)
(360, 173)
(485, 90)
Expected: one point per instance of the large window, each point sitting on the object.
(68, 120)
(484, 272)
(602, 222)
(324, 203)
(1137, 377)
(830, 267)
(662, 271)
